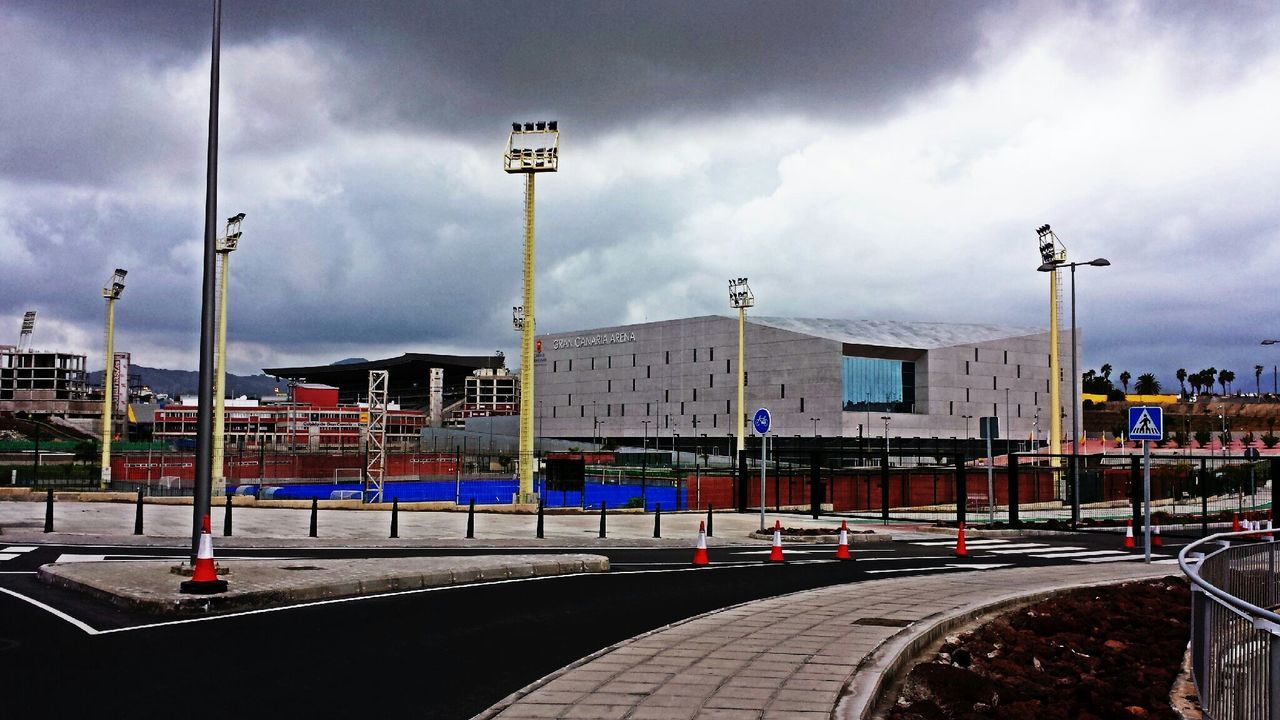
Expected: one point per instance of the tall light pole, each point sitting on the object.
(521, 157)
(226, 245)
(886, 419)
(741, 298)
(1052, 266)
(1275, 387)
(815, 425)
(1051, 251)
(204, 410)
(967, 418)
(110, 292)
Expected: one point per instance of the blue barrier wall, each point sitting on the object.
(485, 492)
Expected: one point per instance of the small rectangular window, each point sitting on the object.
(966, 394)
(1036, 398)
(995, 409)
(966, 367)
(711, 354)
(951, 407)
(666, 357)
(695, 354)
(553, 411)
(1019, 409)
(646, 409)
(1006, 357)
(570, 364)
(681, 412)
(633, 359)
(608, 386)
(695, 394)
(727, 369)
(555, 366)
(801, 404)
(582, 411)
(648, 371)
(610, 362)
(975, 354)
(633, 384)
(711, 380)
(622, 409)
(994, 386)
(783, 389)
(726, 407)
(1046, 386)
(746, 379)
(570, 399)
(666, 395)
(1019, 371)
(713, 421)
(593, 363)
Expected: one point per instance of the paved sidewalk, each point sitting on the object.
(112, 523)
(799, 656)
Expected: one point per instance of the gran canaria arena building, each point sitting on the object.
(678, 378)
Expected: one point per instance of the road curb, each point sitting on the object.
(148, 587)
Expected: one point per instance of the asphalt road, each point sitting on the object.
(445, 653)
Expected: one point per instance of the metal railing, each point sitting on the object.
(1235, 633)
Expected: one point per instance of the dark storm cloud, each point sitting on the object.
(602, 64)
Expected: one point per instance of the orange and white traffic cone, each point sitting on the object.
(1155, 536)
(775, 555)
(1128, 534)
(1235, 522)
(204, 576)
(961, 550)
(700, 551)
(842, 550)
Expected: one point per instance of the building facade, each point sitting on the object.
(816, 377)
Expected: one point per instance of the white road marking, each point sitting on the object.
(939, 543)
(1086, 553)
(1122, 558)
(73, 558)
(989, 566)
(8, 556)
(1011, 546)
(55, 611)
(1031, 550)
(785, 552)
(18, 548)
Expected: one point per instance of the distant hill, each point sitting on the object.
(186, 382)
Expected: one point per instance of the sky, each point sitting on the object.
(869, 160)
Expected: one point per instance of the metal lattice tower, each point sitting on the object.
(375, 464)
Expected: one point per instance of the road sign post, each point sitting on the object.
(989, 428)
(1146, 424)
(761, 424)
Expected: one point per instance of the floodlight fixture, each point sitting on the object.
(517, 317)
(1099, 262)
(231, 238)
(114, 286)
(533, 147)
(740, 295)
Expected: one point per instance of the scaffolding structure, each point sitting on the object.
(376, 436)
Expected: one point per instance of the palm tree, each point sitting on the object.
(1207, 377)
(1231, 379)
(1105, 371)
(1257, 378)
(1124, 380)
(1147, 384)
(1182, 380)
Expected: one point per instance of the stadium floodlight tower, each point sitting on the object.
(110, 292)
(28, 327)
(226, 245)
(741, 297)
(1053, 252)
(532, 148)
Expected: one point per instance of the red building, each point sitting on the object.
(313, 421)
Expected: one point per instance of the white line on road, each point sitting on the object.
(1117, 559)
(1011, 546)
(1086, 553)
(8, 556)
(940, 543)
(53, 610)
(18, 548)
(1030, 550)
(989, 566)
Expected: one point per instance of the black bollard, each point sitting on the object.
(539, 518)
(226, 519)
(602, 516)
(657, 520)
(137, 516)
(471, 519)
(314, 513)
(48, 511)
(710, 517)
(395, 517)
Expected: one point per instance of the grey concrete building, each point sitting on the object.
(824, 377)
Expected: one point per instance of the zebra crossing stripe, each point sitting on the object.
(1018, 546)
(970, 543)
(1032, 550)
(1122, 558)
(1085, 554)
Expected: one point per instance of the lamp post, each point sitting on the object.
(644, 464)
(886, 419)
(967, 418)
(522, 158)
(110, 292)
(1275, 387)
(1052, 266)
(815, 420)
(741, 298)
(225, 246)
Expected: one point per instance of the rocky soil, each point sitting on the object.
(1087, 654)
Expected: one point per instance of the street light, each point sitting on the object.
(644, 464)
(522, 158)
(1275, 387)
(967, 418)
(741, 298)
(815, 425)
(1052, 265)
(110, 292)
(225, 246)
(886, 420)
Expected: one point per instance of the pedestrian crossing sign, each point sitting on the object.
(1146, 423)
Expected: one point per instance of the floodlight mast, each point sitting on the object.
(110, 292)
(1053, 252)
(225, 246)
(741, 297)
(519, 158)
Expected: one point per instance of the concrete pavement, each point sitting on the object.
(815, 654)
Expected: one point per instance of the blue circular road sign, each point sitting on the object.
(761, 421)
